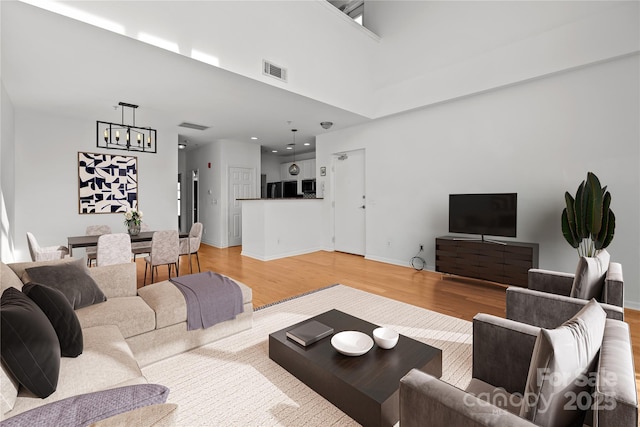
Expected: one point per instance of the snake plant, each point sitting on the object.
(587, 222)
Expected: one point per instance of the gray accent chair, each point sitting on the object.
(45, 253)
(547, 302)
(502, 351)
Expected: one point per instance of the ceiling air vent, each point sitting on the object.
(273, 70)
(193, 126)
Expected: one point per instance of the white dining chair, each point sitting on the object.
(190, 245)
(141, 248)
(113, 249)
(45, 253)
(95, 230)
(164, 251)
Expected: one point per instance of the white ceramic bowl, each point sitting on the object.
(385, 337)
(352, 343)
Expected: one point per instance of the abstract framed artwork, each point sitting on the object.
(107, 183)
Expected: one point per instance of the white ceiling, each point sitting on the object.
(56, 64)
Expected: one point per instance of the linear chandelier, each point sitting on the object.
(121, 136)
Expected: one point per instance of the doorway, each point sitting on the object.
(350, 203)
(180, 201)
(242, 185)
(195, 197)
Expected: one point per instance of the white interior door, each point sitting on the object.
(350, 203)
(242, 185)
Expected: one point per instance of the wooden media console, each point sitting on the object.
(505, 262)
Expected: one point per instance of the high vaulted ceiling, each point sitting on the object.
(65, 67)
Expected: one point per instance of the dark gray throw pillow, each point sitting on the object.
(72, 279)
(28, 343)
(61, 315)
(89, 408)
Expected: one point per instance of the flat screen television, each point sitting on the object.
(483, 214)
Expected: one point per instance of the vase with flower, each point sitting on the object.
(133, 220)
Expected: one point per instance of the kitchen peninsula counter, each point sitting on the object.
(285, 198)
(279, 228)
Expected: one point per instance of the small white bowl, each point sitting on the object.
(385, 337)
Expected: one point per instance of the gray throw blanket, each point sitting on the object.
(211, 298)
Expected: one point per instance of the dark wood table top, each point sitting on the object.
(88, 241)
(365, 387)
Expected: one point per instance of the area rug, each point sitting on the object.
(232, 382)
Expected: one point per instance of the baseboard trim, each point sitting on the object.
(632, 305)
(278, 256)
(396, 262)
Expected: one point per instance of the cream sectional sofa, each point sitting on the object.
(131, 329)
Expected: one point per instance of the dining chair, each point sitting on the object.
(95, 230)
(113, 249)
(46, 253)
(164, 251)
(190, 245)
(141, 248)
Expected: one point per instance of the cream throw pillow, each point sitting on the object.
(559, 373)
(590, 275)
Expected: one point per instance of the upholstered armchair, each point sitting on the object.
(553, 297)
(46, 253)
(523, 375)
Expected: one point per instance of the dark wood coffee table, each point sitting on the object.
(364, 387)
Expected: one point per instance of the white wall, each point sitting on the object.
(538, 139)
(214, 183)
(433, 51)
(46, 183)
(270, 165)
(326, 54)
(209, 178)
(7, 178)
(427, 52)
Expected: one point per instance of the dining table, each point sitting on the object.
(89, 241)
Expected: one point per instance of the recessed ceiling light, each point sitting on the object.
(274, 151)
(254, 137)
(307, 143)
(289, 148)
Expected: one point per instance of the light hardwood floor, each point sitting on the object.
(278, 279)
